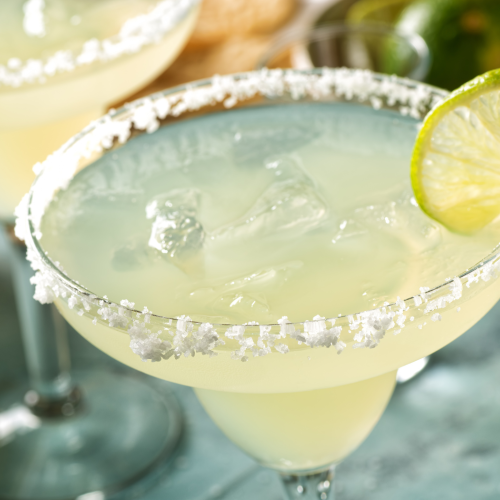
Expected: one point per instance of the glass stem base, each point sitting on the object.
(116, 438)
(309, 486)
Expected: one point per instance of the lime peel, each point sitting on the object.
(455, 167)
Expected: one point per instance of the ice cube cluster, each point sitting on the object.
(290, 205)
(399, 217)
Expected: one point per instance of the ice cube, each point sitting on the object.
(243, 303)
(287, 167)
(254, 146)
(402, 214)
(175, 231)
(128, 257)
(243, 295)
(349, 229)
(290, 205)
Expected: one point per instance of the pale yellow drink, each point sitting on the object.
(300, 431)
(38, 116)
(293, 210)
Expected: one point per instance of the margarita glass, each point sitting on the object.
(89, 55)
(301, 392)
(62, 64)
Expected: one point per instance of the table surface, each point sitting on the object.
(438, 439)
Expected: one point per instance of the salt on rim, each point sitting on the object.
(34, 21)
(189, 337)
(135, 34)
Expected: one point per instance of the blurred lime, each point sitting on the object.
(455, 170)
(463, 37)
(394, 58)
(376, 11)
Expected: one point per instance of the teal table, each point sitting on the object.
(438, 440)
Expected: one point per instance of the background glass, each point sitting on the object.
(64, 436)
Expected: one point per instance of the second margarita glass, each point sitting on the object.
(62, 63)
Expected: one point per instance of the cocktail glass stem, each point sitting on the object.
(52, 391)
(59, 445)
(312, 486)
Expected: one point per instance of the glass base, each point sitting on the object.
(309, 485)
(119, 432)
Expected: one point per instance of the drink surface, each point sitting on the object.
(250, 215)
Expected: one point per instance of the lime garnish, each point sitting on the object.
(455, 169)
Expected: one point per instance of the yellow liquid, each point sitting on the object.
(371, 239)
(36, 119)
(300, 430)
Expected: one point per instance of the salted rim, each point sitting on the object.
(409, 97)
(134, 34)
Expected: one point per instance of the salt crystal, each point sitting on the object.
(287, 327)
(127, 303)
(282, 348)
(34, 21)
(340, 346)
(423, 291)
(72, 302)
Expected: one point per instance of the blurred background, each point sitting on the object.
(423, 448)
(463, 36)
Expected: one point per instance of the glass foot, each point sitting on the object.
(118, 432)
(310, 485)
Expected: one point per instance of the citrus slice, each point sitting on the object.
(455, 167)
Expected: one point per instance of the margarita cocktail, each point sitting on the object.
(62, 63)
(272, 255)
